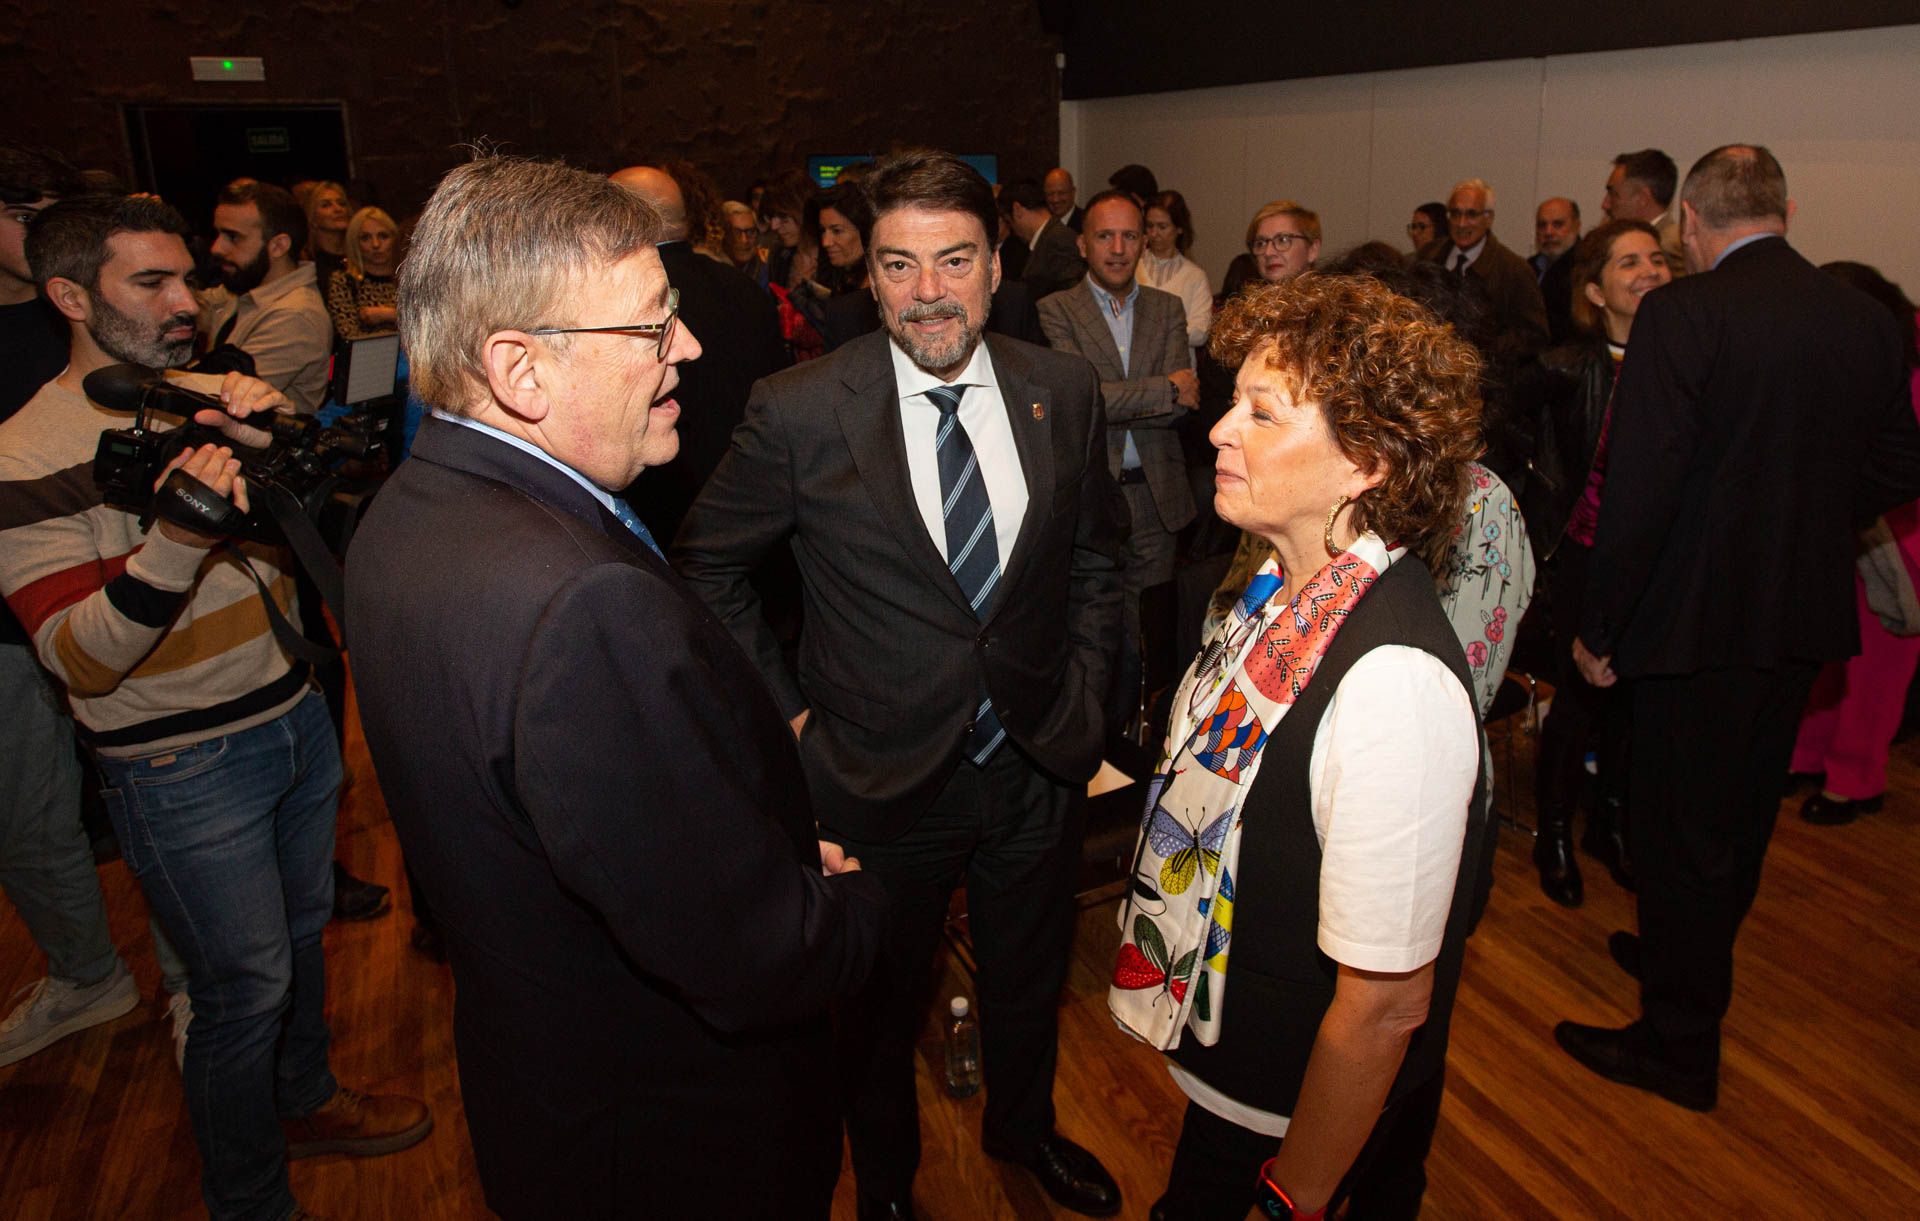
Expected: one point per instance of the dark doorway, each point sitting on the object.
(186, 152)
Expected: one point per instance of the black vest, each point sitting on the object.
(1279, 984)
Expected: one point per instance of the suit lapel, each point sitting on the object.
(870, 422)
(1098, 339)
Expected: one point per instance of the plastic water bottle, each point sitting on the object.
(963, 1050)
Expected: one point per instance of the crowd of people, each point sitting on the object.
(761, 571)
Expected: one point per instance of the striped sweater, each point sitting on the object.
(158, 644)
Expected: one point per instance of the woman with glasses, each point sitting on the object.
(1429, 225)
(1284, 239)
(1165, 264)
(1307, 859)
(1569, 391)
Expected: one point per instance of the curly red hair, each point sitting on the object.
(1399, 389)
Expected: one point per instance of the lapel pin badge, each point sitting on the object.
(1039, 412)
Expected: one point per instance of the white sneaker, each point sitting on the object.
(180, 1010)
(54, 1009)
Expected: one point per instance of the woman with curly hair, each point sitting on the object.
(1305, 869)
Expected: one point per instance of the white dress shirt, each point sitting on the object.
(983, 413)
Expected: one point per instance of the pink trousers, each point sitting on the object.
(1856, 708)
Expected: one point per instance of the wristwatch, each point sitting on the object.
(1276, 1203)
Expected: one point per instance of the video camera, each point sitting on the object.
(301, 475)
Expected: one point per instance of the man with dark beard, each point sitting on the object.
(277, 315)
(958, 537)
(221, 773)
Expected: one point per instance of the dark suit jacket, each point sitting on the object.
(1762, 416)
(892, 660)
(1519, 312)
(1556, 294)
(851, 315)
(1013, 258)
(1138, 398)
(1072, 219)
(739, 330)
(1055, 263)
(596, 789)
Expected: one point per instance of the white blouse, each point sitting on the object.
(1185, 279)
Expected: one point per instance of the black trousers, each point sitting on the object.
(1582, 715)
(1216, 1166)
(1709, 752)
(1012, 834)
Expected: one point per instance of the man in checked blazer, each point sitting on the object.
(1136, 339)
(947, 500)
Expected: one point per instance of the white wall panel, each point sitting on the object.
(1839, 109)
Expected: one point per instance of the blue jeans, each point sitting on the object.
(232, 840)
(46, 865)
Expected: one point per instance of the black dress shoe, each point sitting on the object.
(1559, 870)
(354, 899)
(1624, 947)
(1606, 841)
(1826, 811)
(1072, 1176)
(1796, 781)
(1618, 1055)
(872, 1208)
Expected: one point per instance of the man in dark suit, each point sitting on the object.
(736, 321)
(1761, 418)
(584, 769)
(958, 539)
(1059, 190)
(1519, 312)
(1055, 262)
(1556, 231)
(1136, 339)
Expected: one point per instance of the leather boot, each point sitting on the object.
(1553, 853)
(1606, 841)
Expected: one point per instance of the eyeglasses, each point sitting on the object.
(663, 329)
(1468, 213)
(1279, 241)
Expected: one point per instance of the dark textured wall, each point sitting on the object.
(740, 88)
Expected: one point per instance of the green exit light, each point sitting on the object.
(227, 65)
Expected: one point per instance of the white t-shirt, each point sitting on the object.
(1394, 762)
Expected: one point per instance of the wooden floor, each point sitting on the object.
(1819, 1103)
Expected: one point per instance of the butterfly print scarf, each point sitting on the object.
(1177, 924)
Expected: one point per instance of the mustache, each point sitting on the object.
(927, 312)
(184, 318)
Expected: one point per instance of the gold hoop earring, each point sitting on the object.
(1334, 552)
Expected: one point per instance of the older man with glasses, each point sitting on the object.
(641, 1023)
(1471, 249)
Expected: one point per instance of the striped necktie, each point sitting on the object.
(973, 552)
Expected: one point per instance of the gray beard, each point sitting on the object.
(124, 338)
(935, 357)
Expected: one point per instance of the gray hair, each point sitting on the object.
(1736, 183)
(499, 247)
(1473, 184)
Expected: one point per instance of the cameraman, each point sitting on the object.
(222, 770)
